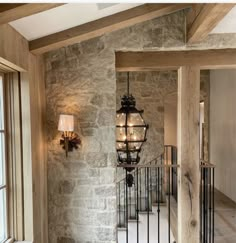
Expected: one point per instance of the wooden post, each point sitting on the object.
(188, 155)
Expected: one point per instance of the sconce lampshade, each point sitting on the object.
(66, 123)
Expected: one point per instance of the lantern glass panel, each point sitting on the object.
(120, 119)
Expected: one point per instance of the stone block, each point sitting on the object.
(88, 114)
(66, 186)
(105, 234)
(65, 240)
(96, 159)
(105, 191)
(88, 131)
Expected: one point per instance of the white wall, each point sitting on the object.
(223, 129)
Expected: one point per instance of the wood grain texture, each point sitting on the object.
(15, 56)
(14, 48)
(193, 13)
(11, 12)
(104, 25)
(209, 16)
(38, 147)
(188, 154)
(149, 61)
(14, 156)
(5, 69)
(27, 158)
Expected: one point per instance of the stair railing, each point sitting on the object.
(207, 202)
(152, 184)
(171, 158)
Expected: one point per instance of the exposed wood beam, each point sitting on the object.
(104, 25)
(188, 154)
(14, 49)
(193, 13)
(207, 17)
(11, 12)
(148, 61)
(6, 69)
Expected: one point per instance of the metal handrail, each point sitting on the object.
(148, 166)
(148, 163)
(206, 164)
(120, 165)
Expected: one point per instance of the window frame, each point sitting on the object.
(5, 185)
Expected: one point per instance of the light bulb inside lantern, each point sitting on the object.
(131, 129)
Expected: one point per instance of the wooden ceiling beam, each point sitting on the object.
(172, 60)
(203, 18)
(104, 25)
(10, 12)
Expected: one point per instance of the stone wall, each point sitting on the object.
(81, 80)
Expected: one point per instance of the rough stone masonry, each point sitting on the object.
(81, 80)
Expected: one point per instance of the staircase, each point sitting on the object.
(147, 202)
(153, 230)
(143, 207)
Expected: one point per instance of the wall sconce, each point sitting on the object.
(69, 138)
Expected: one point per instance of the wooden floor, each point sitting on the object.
(225, 219)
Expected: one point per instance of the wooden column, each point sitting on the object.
(188, 155)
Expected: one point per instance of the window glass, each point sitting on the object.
(3, 215)
(2, 159)
(1, 105)
(3, 186)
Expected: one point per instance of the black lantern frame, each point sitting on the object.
(131, 130)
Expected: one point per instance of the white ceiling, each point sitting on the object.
(227, 24)
(73, 14)
(65, 17)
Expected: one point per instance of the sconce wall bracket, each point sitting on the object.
(70, 142)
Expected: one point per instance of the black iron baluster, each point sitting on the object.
(210, 198)
(137, 210)
(124, 204)
(140, 190)
(213, 207)
(158, 207)
(134, 190)
(169, 205)
(156, 181)
(201, 214)
(171, 162)
(147, 205)
(206, 205)
(161, 182)
(150, 179)
(204, 194)
(145, 187)
(127, 213)
(119, 206)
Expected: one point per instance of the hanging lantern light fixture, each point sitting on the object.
(131, 130)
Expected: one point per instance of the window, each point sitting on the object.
(3, 181)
